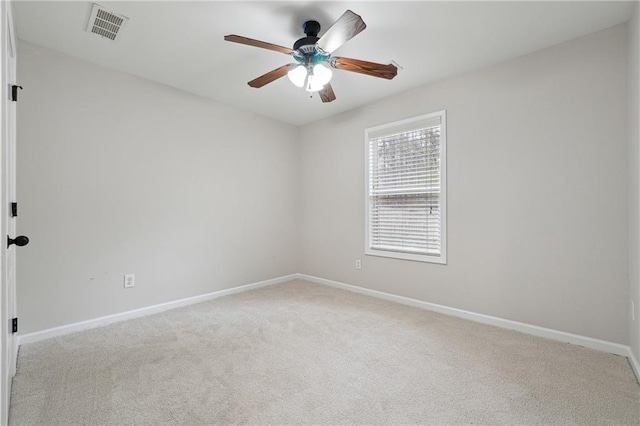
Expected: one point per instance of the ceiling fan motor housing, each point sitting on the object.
(305, 41)
(311, 29)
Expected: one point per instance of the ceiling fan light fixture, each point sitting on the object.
(322, 74)
(313, 84)
(318, 77)
(298, 75)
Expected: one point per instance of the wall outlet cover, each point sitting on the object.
(129, 281)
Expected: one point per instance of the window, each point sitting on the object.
(406, 189)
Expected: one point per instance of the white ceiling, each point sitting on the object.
(181, 44)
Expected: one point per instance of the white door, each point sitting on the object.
(7, 221)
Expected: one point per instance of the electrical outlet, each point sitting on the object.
(633, 311)
(358, 264)
(129, 281)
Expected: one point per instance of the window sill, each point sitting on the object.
(442, 259)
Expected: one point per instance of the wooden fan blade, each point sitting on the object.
(257, 43)
(326, 94)
(271, 76)
(344, 29)
(363, 67)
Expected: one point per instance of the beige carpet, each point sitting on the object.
(305, 353)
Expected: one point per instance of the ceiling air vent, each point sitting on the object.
(106, 24)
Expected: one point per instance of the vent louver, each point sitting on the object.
(106, 24)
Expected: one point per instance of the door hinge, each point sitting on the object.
(14, 209)
(14, 92)
(14, 325)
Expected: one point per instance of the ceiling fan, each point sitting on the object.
(312, 69)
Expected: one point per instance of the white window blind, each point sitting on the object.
(405, 189)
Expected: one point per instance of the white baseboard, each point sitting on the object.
(149, 310)
(560, 336)
(634, 364)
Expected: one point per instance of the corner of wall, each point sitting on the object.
(297, 226)
(634, 181)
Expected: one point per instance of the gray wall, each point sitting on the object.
(120, 175)
(537, 211)
(634, 178)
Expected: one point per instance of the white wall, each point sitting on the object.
(537, 182)
(120, 175)
(634, 178)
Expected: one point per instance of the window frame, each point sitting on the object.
(368, 251)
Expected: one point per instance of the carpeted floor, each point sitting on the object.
(304, 353)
